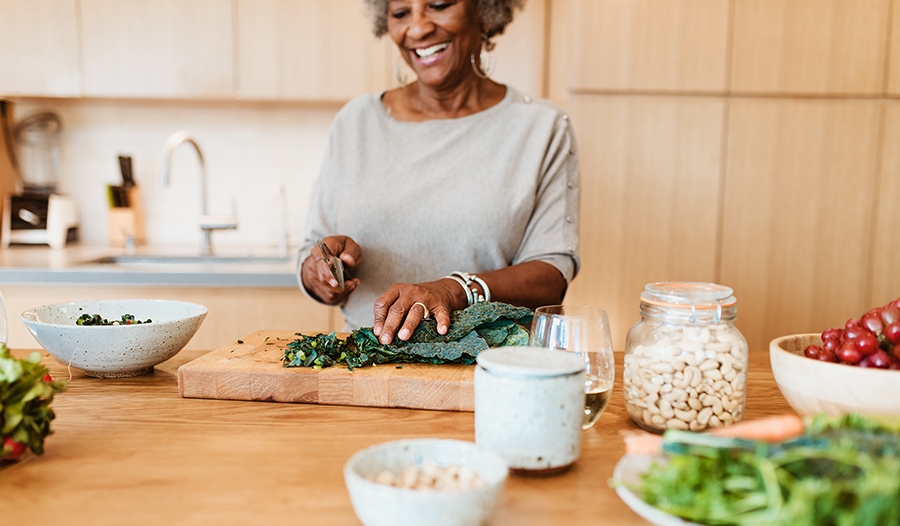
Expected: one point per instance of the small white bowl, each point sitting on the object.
(812, 387)
(381, 505)
(118, 350)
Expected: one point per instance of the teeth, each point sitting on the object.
(427, 52)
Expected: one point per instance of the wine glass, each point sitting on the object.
(585, 331)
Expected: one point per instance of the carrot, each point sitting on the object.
(769, 429)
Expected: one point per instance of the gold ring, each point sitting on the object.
(427, 312)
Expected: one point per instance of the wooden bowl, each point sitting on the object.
(811, 386)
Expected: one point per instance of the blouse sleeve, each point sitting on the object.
(552, 233)
(319, 224)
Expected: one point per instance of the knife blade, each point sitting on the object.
(335, 265)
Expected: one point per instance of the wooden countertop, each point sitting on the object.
(131, 451)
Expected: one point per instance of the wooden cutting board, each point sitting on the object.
(253, 371)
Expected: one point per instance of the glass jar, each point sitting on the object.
(685, 362)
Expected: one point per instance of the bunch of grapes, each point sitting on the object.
(873, 340)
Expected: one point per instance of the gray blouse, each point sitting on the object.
(424, 199)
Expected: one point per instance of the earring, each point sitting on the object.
(401, 75)
(484, 66)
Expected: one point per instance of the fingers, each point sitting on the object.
(402, 308)
(382, 305)
(345, 248)
(416, 313)
(441, 315)
(318, 280)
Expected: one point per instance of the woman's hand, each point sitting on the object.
(317, 277)
(405, 305)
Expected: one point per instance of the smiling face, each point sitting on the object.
(436, 38)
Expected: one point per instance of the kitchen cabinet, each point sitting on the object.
(233, 312)
(886, 254)
(325, 50)
(648, 44)
(893, 72)
(168, 49)
(810, 46)
(798, 213)
(650, 183)
(39, 48)
(307, 50)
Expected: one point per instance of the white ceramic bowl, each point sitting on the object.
(811, 386)
(118, 350)
(380, 505)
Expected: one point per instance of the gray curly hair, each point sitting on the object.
(495, 15)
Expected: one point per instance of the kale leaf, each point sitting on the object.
(472, 330)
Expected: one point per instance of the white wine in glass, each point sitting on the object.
(585, 331)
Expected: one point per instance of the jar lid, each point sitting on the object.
(532, 362)
(688, 294)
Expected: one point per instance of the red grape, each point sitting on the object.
(831, 345)
(892, 332)
(852, 322)
(895, 351)
(866, 344)
(826, 356)
(852, 333)
(848, 353)
(872, 322)
(866, 362)
(880, 360)
(889, 314)
(812, 351)
(895, 364)
(833, 333)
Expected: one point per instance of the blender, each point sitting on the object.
(36, 214)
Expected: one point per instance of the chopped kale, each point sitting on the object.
(472, 330)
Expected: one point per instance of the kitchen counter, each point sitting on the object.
(79, 264)
(130, 451)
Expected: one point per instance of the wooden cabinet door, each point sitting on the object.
(39, 48)
(308, 50)
(167, 49)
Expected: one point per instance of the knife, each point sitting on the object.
(127, 174)
(334, 263)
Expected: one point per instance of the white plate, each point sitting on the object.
(628, 471)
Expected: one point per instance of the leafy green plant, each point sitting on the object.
(843, 471)
(26, 391)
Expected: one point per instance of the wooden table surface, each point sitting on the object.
(131, 451)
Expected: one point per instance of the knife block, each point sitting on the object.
(125, 222)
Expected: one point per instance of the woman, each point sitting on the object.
(453, 172)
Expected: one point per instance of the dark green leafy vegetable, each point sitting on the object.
(843, 471)
(25, 395)
(96, 319)
(472, 330)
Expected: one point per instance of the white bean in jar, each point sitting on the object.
(685, 376)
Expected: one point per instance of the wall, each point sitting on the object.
(752, 143)
(248, 150)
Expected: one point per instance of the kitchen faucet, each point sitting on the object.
(208, 222)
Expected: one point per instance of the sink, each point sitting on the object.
(138, 260)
